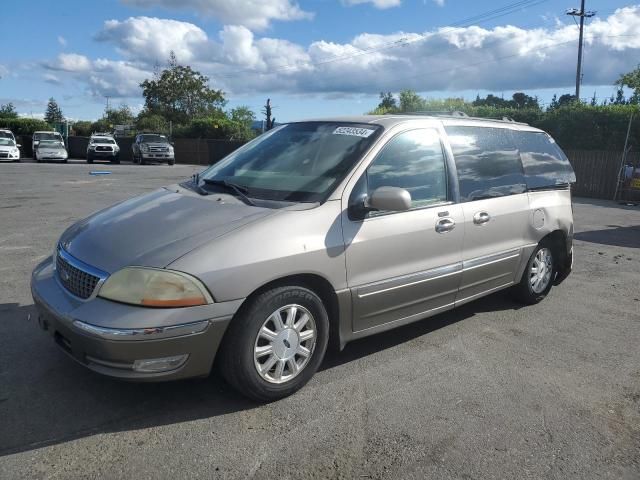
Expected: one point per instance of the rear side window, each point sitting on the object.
(487, 161)
(412, 160)
(545, 164)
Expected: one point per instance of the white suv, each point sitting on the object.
(103, 147)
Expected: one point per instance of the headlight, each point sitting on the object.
(152, 287)
(116, 148)
(15, 151)
(92, 147)
(145, 147)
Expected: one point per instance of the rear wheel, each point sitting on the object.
(276, 343)
(538, 277)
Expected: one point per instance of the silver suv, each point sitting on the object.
(152, 147)
(316, 233)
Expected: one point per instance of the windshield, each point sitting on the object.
(103, 140)
(47, 136)
(153, 139)
(51, 144)
(6, 135)
(7, 142)
(299, 162)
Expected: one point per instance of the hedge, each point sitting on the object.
(24, 126)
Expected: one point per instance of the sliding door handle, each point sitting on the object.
(481, 218)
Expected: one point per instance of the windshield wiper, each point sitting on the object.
(239, 189)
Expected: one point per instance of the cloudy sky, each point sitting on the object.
(313, 57)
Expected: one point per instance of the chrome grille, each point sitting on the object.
(77, 281)
(101, 148)
(158, 148)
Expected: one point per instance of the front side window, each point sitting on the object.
(297, 162)
(545, 165)
(487, 161)
(412, 160)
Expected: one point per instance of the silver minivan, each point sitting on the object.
(312, 235)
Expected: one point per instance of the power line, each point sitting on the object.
(476, 19)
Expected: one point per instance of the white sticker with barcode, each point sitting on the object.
(353, 131)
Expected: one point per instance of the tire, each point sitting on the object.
(171, 162)
(239, 362)
(116, 159)
(89, 159)
(530, 291)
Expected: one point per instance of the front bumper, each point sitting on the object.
(157, 156)
(108, 337)
(102, 154)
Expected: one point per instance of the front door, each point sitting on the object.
(404, 265)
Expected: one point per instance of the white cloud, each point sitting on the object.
(381, 4)
(440, 3)
(254, 14)
(62, 41)
(70, 62)
(447, 59)
(51, 78)
(153, 38)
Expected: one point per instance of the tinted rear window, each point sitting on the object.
(545, 164)
(487, 161)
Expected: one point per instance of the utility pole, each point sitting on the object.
(574, 12)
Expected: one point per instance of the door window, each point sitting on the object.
(412, 160)
(545, 165)
(487, 161)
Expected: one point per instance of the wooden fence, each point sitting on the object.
(597, 171)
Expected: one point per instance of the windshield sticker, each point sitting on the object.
(353, 131)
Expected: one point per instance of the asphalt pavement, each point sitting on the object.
(490, 390)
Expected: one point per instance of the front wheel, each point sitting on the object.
(538, 277)
(276, 343)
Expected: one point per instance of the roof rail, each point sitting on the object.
(438, 113)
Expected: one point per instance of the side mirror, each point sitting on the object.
(391, 199)
(18, 145)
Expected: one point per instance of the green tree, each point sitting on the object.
(119, 116)
(387, 102)
(632, 81)
(410, 101)
(522, 100)
(179, 93)
(151, 122)
(82, 128)
(8, 111)
(53, 114)
(242, 119)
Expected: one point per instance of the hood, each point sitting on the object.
(6, 148)
(155, 229)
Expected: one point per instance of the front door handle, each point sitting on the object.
(445, 225)
(481, 218)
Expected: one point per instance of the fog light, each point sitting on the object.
(164, 364)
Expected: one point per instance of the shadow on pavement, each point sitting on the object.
(616, 236)
(47, 399)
